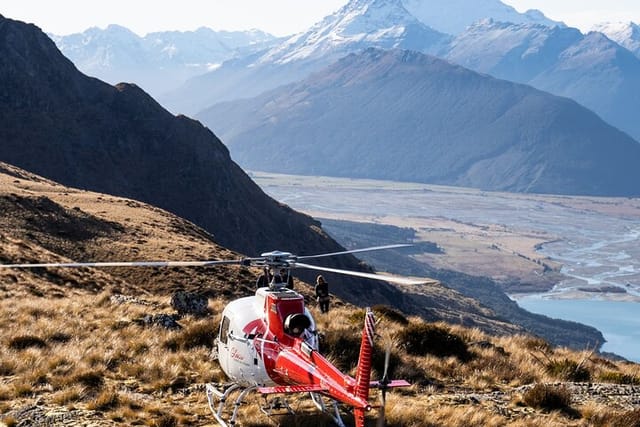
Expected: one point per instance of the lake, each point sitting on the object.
(619, 321)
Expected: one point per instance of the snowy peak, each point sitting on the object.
(159, 61)
(357, 25)
(366, 16)
(369, 19)
(594, 50)
(454, 16)
(626, 34)
(512, 51)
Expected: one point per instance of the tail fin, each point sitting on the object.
(363, 373)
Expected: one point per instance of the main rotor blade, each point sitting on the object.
(123, 264)
(375, 276)
(353, 251)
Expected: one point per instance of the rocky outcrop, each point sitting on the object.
(190, 303)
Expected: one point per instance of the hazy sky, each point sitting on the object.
(279, 17)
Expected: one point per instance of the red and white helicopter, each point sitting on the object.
(268, 342)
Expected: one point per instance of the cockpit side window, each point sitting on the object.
(224, 330)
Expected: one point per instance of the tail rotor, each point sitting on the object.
(384, 382)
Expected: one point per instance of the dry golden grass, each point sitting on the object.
(87, 353)
(65, 345)
(103, 360)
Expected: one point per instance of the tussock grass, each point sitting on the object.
(390, 314)
(96, 357)
(627, 419)
(421, 339)
(550, 397)
(68, 396)
(618, 378)
(22, 342)
(200, 334)
(106, 400)
(568, 370)
(9, 421)
(611, 419)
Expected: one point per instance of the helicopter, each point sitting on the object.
(268, 342)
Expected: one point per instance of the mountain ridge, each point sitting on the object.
(159, 61)
(323, 43)
(453, 16)
(626, 34)
(82, 132)
(591, 69)
(431, 122)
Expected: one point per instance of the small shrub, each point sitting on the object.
(59, 338)
(171, 344)
(22, 389)
(108, 399)
(544, 396)
(627, 419)
(90, 379)
(175, 384)
(23, 342)
(65, 397)
(165, 421)
(201, 334)
(9, 421)
(391, 314)
(618, 378)
(115, 360)
(356, 317)
(421, 339)
(537, 344)
(7, 368)
(568, 370)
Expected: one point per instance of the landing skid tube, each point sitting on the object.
(276, 404)
(222, 395)
(319, 402)
(219, 397)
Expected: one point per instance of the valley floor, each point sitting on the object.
(585, 246)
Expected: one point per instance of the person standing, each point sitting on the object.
(322, 294)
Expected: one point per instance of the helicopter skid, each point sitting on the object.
(218, 395)
(276, 406)
(318, 401)
(221, 396)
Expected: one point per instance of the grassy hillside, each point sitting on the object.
(87, 358)
(83, 347)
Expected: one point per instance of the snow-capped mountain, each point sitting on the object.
(516, 52)
(358, 25)
(159, 61)
(402, 115)
(591, 69)
(626, 34)
(454, 16)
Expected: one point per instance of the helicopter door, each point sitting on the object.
(223, 343)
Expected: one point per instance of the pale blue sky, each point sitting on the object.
(279, 17)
